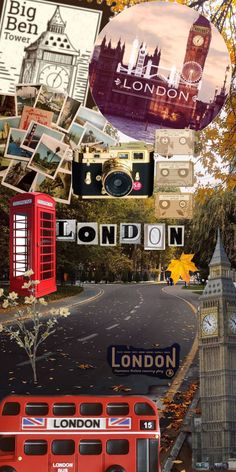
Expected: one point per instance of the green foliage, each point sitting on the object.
(216, 209)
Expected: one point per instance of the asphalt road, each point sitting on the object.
(135, 315)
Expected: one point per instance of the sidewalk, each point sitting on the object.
(184, 376)
(187, 294)
(89, 293)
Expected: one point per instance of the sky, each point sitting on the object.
(167, 25)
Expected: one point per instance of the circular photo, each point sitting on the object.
(159, 65)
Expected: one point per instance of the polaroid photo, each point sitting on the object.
(35, 132)
(74, 135)
(68, 113)
(48, 156)
(5, 125)
(18, 177)
(79, 121)
(51, 100)
(13, 147)
(2, 152)
(94, 136)
(26, 95)
(60, 188)
(66, 165)
(4, 163)
(35, 114)
(93, 117)
(7, 105)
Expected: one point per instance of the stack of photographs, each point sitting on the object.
(39, 129)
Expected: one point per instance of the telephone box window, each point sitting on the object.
(20, 244)
(47, 243)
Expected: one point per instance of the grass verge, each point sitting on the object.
(196, 287)
(63, 291)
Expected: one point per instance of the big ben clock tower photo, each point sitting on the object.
(216, 442)
(198, 45)
(51, 59)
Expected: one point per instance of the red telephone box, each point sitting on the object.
(33, 242)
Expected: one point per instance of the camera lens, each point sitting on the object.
(117, 178)
(118, 184)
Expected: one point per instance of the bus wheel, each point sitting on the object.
(7, 468)
(114, 468)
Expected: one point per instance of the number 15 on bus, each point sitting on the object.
(79, 434)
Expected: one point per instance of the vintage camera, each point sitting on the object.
(169, 142)
(126, 170)
(174, 205)
(177, 173)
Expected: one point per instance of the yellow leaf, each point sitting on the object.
(181, 267)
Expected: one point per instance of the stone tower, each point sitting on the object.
(198, 43)
(51, 59)
(217, 352)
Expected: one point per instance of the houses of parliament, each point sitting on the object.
(143, 90)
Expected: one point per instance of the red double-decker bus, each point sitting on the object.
(79, 434)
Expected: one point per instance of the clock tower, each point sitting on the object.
(51, 59)
(198, 44)
(217, 353)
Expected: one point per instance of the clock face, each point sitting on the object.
(209, 325)
(198, 40)
(191, 72)
(232, 323)
(55, 76)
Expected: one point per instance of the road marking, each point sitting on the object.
(113, 326)
(132, 311)
(127, 318)
(44, 356)
(87, 300)
(47, 312)
(88, 337)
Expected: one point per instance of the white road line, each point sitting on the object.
(88, 337)
(127, 318)
(132, 311)
(44, 356)
(113, 326)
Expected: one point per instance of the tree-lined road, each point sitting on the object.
(139, 315)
